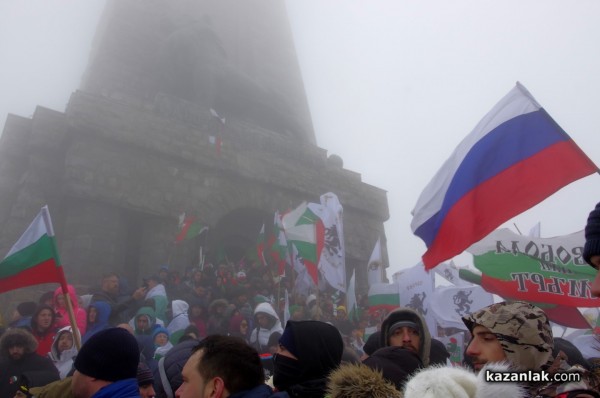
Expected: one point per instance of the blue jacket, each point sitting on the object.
(127, 388)
(262, 391)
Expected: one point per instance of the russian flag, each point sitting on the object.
(514, 158)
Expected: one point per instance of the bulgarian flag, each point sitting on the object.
(189, 227)
(383, 296)
(33, 260)
(305, 230)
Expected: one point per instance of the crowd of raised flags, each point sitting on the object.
(471, 196)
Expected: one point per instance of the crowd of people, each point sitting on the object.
(226, 331)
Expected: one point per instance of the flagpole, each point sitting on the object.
(63, 280)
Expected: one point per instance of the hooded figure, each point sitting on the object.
(18, 357)
(359, 381)
(180, 320)
(267, 323)
(395, 363)
(62, 314)
(309, 351)
(161, 350)
(521, 332)
(401, 318)
(522, 329)
(97, 318)
(63, 351)
(43, 329)
(144, 321)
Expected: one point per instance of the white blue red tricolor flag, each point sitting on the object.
(514, 158)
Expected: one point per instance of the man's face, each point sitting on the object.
(147, 391)
(16, 352)
(193, 386)
(111, 285)
(142, 323)
(406, 337)
(65, 342)
(44, 318)
(484, 347)
(595, 260)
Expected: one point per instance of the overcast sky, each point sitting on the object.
(393, 86)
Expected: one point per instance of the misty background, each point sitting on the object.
(393, 86)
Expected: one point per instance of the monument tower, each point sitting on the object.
(194, 106)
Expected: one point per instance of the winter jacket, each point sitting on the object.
(159, 295)
(62, 314)
(261, 391)
(259, 338)
(39, 370)
(64, 360)
(45, 337)
(127, 388)
(167, 376)
(407, 314)
(180, 320)
(103, 310)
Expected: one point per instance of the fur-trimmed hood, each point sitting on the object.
(456, 382)
(359, 381)
(20, 337)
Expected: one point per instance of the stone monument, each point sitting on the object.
(194, 106)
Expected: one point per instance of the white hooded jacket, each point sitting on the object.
(180, 316)
(64, 360)
(260, 336)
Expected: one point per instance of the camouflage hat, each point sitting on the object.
(522, 329)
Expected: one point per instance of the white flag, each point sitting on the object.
(450, 303)
(375, 265)
(415, 286)
(351, 298)
(332, 264)
(450, 273)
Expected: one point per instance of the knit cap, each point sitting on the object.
(287, 340)
(144, 375)
(592, 235)
(111, 355)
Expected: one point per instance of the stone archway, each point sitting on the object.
(235, 234)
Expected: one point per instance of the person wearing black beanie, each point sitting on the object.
(308, 352)
(591, 250)
(106, 366)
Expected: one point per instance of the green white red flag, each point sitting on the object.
(189, 227)
(305, 230)
(33, 259)
(540, 270)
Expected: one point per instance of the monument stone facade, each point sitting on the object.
(186, 106)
